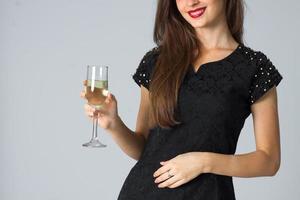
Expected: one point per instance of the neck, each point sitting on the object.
(215, 36)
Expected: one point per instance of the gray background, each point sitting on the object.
(45, 47)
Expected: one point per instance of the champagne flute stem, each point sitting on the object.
(95, 124)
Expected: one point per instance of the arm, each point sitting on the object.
(265, 160)
(133, 142)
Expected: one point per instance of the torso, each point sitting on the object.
(213, 104)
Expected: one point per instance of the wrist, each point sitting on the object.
(114, 124)
(209, 162)
(206, 162)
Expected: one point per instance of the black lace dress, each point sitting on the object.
(213, 103)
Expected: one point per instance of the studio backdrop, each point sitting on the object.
(45, 47)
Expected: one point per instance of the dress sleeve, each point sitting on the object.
(265, 77)
(142, 75)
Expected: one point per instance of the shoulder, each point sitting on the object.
(143, 72)
(257, 63)
(148, 60)
(254, 56)
(150, 54)
(262, 73)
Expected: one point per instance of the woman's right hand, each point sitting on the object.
(107, 115)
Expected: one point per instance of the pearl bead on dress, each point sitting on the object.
(142, 75)
(269, 74)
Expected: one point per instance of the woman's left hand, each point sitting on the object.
(184, 167)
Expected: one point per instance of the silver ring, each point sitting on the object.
(169, 175)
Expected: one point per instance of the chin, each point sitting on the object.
(198, 24)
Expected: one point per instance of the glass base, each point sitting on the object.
(94, 143)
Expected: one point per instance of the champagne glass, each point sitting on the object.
(96, 92)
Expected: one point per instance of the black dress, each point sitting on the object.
(213, 103)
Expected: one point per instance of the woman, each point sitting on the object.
(198, 86)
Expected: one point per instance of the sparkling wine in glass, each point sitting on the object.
(96, 92)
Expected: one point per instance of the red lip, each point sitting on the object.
(197, 12)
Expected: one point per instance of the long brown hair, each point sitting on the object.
(176, 39)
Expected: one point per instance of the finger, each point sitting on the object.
(112, 97)
(162, 177)
(108, 98)
(85, 82)
(86, 107)
(169, 181)
(89, 113)
(89, 108)
(92, 114)
(161, 170)
(164, 162)
(99, 112)
(177, 183)
(82, 94)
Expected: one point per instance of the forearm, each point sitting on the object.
(130, 143)
(253, 164)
